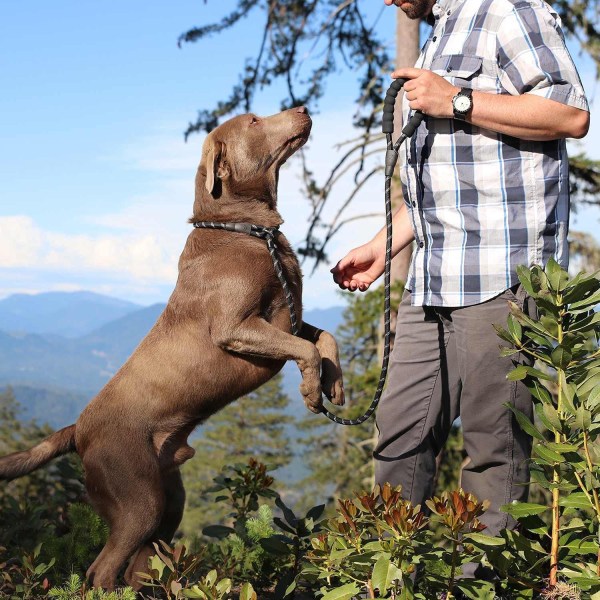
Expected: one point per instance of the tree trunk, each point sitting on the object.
(407, 52)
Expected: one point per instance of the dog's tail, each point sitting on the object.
(21, 463)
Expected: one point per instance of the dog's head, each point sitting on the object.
(241, 158)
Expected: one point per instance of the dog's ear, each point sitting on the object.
(216, 167)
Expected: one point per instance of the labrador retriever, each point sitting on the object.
(224, 332)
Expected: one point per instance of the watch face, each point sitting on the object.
(462, 104)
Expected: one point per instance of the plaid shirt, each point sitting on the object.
(482, 203)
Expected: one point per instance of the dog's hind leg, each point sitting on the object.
(127, 491)
(171, 518)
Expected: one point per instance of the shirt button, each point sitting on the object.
(414, 203)
(421, 244)
(449, 13)
(434, 39)
(449, 69)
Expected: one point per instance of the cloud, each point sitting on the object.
(24, 245)
(133, 251)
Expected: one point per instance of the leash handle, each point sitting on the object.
(387, 123)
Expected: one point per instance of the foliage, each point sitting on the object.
(566, 459)
(26, 579)
(240, 556)
(75, 589)
(24, 505)
(86, 534)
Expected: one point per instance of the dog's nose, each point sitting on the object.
(302, 109)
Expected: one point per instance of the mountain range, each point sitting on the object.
(58, 349)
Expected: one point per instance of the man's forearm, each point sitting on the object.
(402, 232)
(528, 117)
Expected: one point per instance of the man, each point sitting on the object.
(485, 182)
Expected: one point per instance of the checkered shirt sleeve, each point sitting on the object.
(533, 58)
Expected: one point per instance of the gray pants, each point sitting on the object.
(446, 363)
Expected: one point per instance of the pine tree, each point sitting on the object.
(255, 426)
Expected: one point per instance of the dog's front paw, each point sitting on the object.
(310, 388)
(332, 382)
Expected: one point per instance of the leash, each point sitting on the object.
(269, 234)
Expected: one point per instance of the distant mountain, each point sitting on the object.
(69, 314)
(54, 376)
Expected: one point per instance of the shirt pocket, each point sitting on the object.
(461, 70)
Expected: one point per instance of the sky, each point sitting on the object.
(96, 181)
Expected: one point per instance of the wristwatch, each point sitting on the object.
(462, 103)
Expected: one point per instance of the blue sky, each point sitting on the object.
(96, 182)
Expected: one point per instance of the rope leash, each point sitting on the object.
(269, 234)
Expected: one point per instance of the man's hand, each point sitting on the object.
(360, 267)
(428, 92)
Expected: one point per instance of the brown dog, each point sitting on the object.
(224, 332)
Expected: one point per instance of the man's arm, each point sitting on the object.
(363, 265)
(527, 117)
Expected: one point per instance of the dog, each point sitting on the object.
(225, 331)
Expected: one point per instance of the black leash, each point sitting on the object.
(269, 234)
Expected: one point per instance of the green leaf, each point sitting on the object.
(247, 592)
(503, 334)
(583, 547)
(508, 351)
(515, 329)
(345, 592)
(523, 509)
(194, 592)
(275, 546)
(575, 500)
(539, 281)
(562, 447)
(594, 398)
(547, 454)
(561, 357)
(524, 275)
(384, 573)
(583, 418)
(568, 393)
(526, 425)
(475, 589)
(316, 512)
(548, 415)
(557, 277)
(587, 323)
(590, 383)
(218, 531)
(540, 392)
(590, 302)
(488, 541)
(517, 374)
